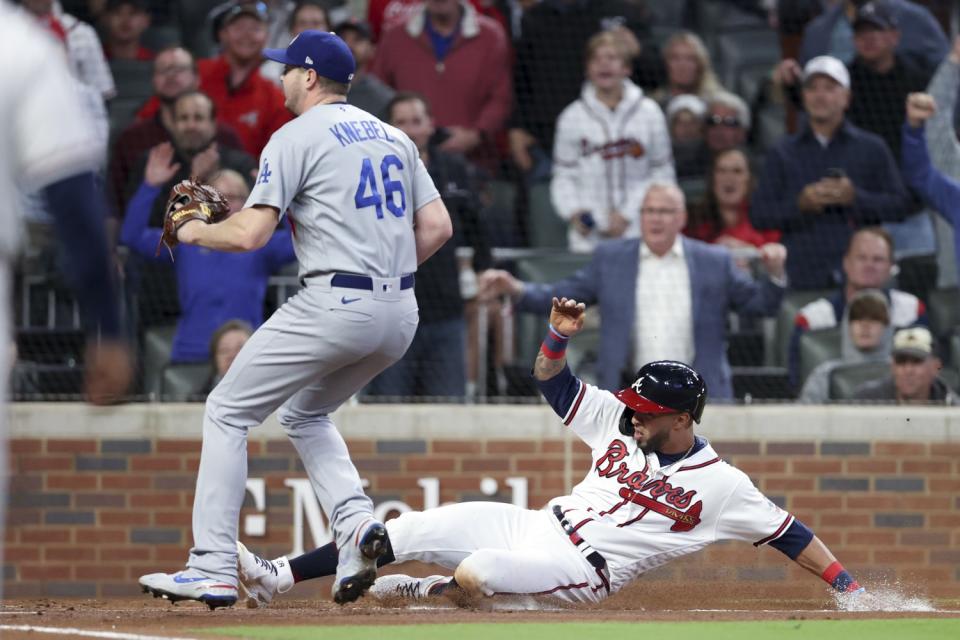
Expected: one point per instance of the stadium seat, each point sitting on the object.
(667, 14)
(156, 294)
(846, 379)
(159, 36)
(769, 125)
(195, 28)
(46, 382)
(184, 382)
(917, 274)
(737, 51)
(157, 342)
(951, 377)
(694, 190)
(943, 311)
(50, 346)
(752, 81)
(792, 302)
(499, 214)
(530, 326)
(546, 228)
(745, 348)
(818, 346)
(715, 18)
(761, 383)
(134, 86)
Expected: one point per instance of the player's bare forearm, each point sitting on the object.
(815, 557)
(431, 229)
(246, 230)
(566, 320)
(544, 368)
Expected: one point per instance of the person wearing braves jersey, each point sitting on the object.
(364, 214)
(655, 492)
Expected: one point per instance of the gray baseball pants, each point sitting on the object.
(317, 350)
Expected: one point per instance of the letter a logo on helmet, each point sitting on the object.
(666, 386)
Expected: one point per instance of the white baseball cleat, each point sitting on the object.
(262, 579)
(190, 584)
(406, 587)
(357, 562)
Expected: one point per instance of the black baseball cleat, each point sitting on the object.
(357, 566)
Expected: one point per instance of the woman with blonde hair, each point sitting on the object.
(689, 69)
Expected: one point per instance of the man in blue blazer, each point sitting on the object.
(662, 296)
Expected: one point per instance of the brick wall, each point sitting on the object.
(88, 515)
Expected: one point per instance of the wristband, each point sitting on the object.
(554, 344)
(838, 578)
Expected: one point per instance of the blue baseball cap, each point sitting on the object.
(321, 51)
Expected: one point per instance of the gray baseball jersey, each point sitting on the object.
(350, 185)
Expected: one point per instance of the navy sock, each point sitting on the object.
(322, 561)
(442, 587)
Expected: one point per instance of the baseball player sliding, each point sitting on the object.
(364, 214)
(655, 491)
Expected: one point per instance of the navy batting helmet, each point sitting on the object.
(664, 386)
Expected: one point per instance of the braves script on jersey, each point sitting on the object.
(639, 515)
(627, 516)
(349, 184)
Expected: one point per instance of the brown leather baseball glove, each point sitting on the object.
(190, 200)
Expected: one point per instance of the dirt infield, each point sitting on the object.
(154, 617)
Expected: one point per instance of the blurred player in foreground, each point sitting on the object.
(655, 492)
(47, 144)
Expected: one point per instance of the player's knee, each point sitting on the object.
(475, 573)
(293, 420)
(222, 411)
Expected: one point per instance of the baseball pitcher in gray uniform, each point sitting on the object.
(364, 213)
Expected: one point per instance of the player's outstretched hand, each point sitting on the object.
(566, 316)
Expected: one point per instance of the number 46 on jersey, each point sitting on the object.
(369, 194)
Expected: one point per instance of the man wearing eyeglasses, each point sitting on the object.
(174, 74)
(662, 296)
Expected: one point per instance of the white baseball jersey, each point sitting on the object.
(350, 185)
(45, 132)
(639, 515)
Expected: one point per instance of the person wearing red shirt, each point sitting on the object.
(246, 100)
(723, 218)
(124, 22)
(174, 74)
(459, 61)
(384, 14)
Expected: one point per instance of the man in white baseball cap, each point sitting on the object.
(827, 66)
(827, 180)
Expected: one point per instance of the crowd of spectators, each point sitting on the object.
(620, 117)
